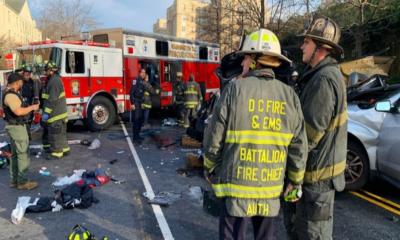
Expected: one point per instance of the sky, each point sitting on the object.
(131, 14)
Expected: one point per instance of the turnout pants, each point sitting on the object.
(180, 112)
(314, 212)
(235, 228)
(20, 161)
(190, 113)
(45, 137)
(57, 136)
(137, 122)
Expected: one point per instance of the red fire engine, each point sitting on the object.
(97, 78)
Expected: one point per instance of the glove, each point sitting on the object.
(45, 117)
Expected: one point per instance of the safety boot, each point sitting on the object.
(29, 185)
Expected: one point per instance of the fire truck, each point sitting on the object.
(98, 74)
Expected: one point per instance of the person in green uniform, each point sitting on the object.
(17, 114)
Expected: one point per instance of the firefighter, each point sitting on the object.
(137, 99)
(28, 93)
(193, 99)
(17, 113)
(323, 98)
(256, 132)
(54, 114)
(179, 98)
(146, 105)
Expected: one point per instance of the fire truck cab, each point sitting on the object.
(98, 78)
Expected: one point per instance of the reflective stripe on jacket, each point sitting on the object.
(192, 95)
(55, 104)
(256, 132)
(323, 99)
(148, 91)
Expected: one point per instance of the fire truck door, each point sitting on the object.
(77, 70)
(96, 71)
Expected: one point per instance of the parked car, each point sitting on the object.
(373, 136)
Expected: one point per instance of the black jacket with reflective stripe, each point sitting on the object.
(148, 91)
(55, 103)
(323, 99)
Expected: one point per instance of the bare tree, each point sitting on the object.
(354, 16)
(59, 18)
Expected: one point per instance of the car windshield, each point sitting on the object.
(38, 57)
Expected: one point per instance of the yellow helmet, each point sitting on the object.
(263, 42)
(80, 233)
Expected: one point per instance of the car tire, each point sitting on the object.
(357, 166)
(101, 114)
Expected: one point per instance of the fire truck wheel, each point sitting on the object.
(101, 114)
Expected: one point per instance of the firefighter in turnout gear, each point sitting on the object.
(146, 105)
(193, 99)
(17, 113)
(256, 133)
(179, 98)
(323, 98)
(54, 114)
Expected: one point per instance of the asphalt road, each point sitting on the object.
(123, 212)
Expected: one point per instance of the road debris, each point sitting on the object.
(163, 199)
(169, 122)
(190, 142)
(196, 194)
(22, 204)
(116, 181)
(61, 181)
(95, 144)
(194, 160)
(113, 161)
(44, 171)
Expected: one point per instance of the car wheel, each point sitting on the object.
(357, 166)
(101, 114)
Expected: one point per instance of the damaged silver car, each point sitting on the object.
(373, 133)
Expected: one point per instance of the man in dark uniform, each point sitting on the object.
(28, 93)
(137, 99)
(16, 116)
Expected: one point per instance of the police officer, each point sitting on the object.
(323, 98)
(256, 132)
(28, 93)
(55, 115)
(179, 98)
(193, 99)
(17, 113)
(137, 99)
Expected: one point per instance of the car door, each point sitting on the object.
(388, 151)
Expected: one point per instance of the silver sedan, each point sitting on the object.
(374, 139)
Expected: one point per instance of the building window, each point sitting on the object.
(183, 28)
